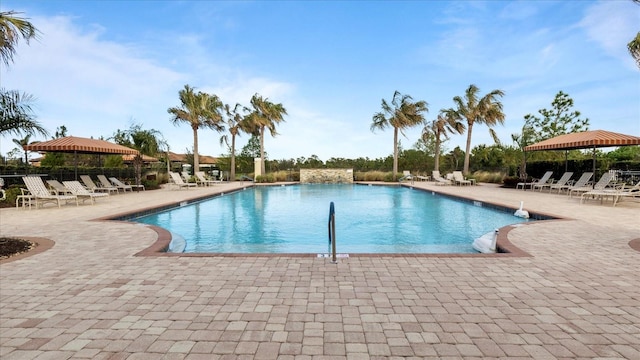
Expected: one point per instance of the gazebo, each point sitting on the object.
(585, 140)
(79, 145)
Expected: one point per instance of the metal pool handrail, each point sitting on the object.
(332, 232)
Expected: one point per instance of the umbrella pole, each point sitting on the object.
(566, 155)
(75, 162)
(594, 165)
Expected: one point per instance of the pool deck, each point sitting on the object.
(576, 296)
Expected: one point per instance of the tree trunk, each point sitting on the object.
(465, 169)
(262, 167)
(232, 172)
(436, 165)
(395, 153)
(196, 160)
(137, 166)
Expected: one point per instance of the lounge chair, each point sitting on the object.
(202, 179)
(439, 179)
(562, 181)
(615, 193)
(82, 193)
(582, 182)
(459, 179)
(406, 175)
(604, 181)
(42, 195)
(177, 181)
(632, 192)
(25, 198)
(120, 185)
(58, 188)
(106, 184)
(542, 180)
(91, 186)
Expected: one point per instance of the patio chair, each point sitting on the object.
(202, 179)
(42, 195)
(91, 186)
(439, 179)
(25, 198)
(604, 181)
(120, 185)
(616, 193)
(57, 187)
(562, 181)
(632, 192)
(582, 182)
(459, 179)
(108, 185)
(406, 175)
(177, 181)
(542, 180)
(82, 193)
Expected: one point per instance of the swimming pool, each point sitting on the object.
(293, 219)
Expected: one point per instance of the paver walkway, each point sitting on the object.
(576, 296)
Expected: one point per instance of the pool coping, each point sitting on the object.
(159, 248)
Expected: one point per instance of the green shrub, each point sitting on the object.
(150, 184)
(268, 178)
(373, 176)
(494, 177)
(11, 194)
(510, 181)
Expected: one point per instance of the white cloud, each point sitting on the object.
(612, 24)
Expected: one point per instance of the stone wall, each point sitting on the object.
(326, 176)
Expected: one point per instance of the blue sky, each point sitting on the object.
(100, 66)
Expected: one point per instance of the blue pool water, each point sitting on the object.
(293, 219)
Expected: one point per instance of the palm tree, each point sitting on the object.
(16, 114)
(486, 110)
(22, 143)
(634, 48)
(236, 123)
(404, 114)
(147, 142)
(265, 115)
(12, 28)
(444, 125)
(199, 110)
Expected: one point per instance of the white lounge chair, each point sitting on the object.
(459, 179)
(177, 181)
(82, 193)
(604, 181)
(542, 180)
(91, 186)
(120, 185)
(58, 188)
(562, 181)
(108, 185)
(202, 179)
(406, 175)
(439, 179)
(632, 192)
(615, 193)
(582, 182)
(42, 195)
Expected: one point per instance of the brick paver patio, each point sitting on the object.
(89, 296)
